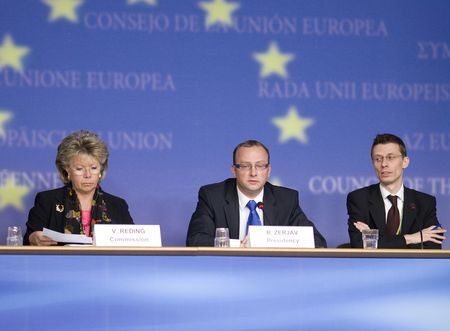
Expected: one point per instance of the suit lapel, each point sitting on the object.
(409, 210)
(269, 205)
(376, 208)
(231, 208)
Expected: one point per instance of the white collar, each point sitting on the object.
(400, 193)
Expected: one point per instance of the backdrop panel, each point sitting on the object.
(172, 87)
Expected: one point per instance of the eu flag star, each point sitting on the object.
(219, 11)
(292, 126)
(11, 55)
(273, 62)
(63, 9)
(12, 194)
(5, 116)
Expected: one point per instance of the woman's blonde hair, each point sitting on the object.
(81, 142)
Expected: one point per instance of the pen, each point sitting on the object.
(437, 226)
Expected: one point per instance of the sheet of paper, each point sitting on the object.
(235, 243)
(67, 238)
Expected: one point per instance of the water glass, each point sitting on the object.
(370, 238)
(222, 238)
(14, 237)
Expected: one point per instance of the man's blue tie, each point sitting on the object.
(253, 217)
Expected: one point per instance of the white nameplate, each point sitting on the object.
(281, 236)
(127, 235)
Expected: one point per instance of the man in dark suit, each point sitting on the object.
(224, 204)
(404, 217)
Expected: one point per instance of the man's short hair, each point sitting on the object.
(251, 143)
(386, 138)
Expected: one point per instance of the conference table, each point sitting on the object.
(178, 288)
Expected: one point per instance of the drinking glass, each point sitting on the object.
(222, 238)
(14, 237)
(370, 238)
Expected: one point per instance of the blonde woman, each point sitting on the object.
(82, 161)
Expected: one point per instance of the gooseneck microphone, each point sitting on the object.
(260, 205)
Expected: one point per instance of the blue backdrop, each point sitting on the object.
(173, 86)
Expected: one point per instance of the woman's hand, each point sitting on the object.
(37, 238)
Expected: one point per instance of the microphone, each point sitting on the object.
(260, 205)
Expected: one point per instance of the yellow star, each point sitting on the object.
(273, 62)
(293, 126)
(63, 9)
(219, 11)
(11, 55)
(5, 116)
(148, 2)
(12, 194)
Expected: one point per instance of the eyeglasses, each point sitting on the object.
(387, 158)
(80, 171)
(248, 166)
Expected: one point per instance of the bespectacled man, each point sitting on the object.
(228, 204)
(405, 218)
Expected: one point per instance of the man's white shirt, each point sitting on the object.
(244, 211)
(400, 200)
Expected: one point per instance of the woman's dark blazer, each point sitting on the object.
(47, 212)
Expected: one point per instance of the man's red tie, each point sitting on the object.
(393, 217)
